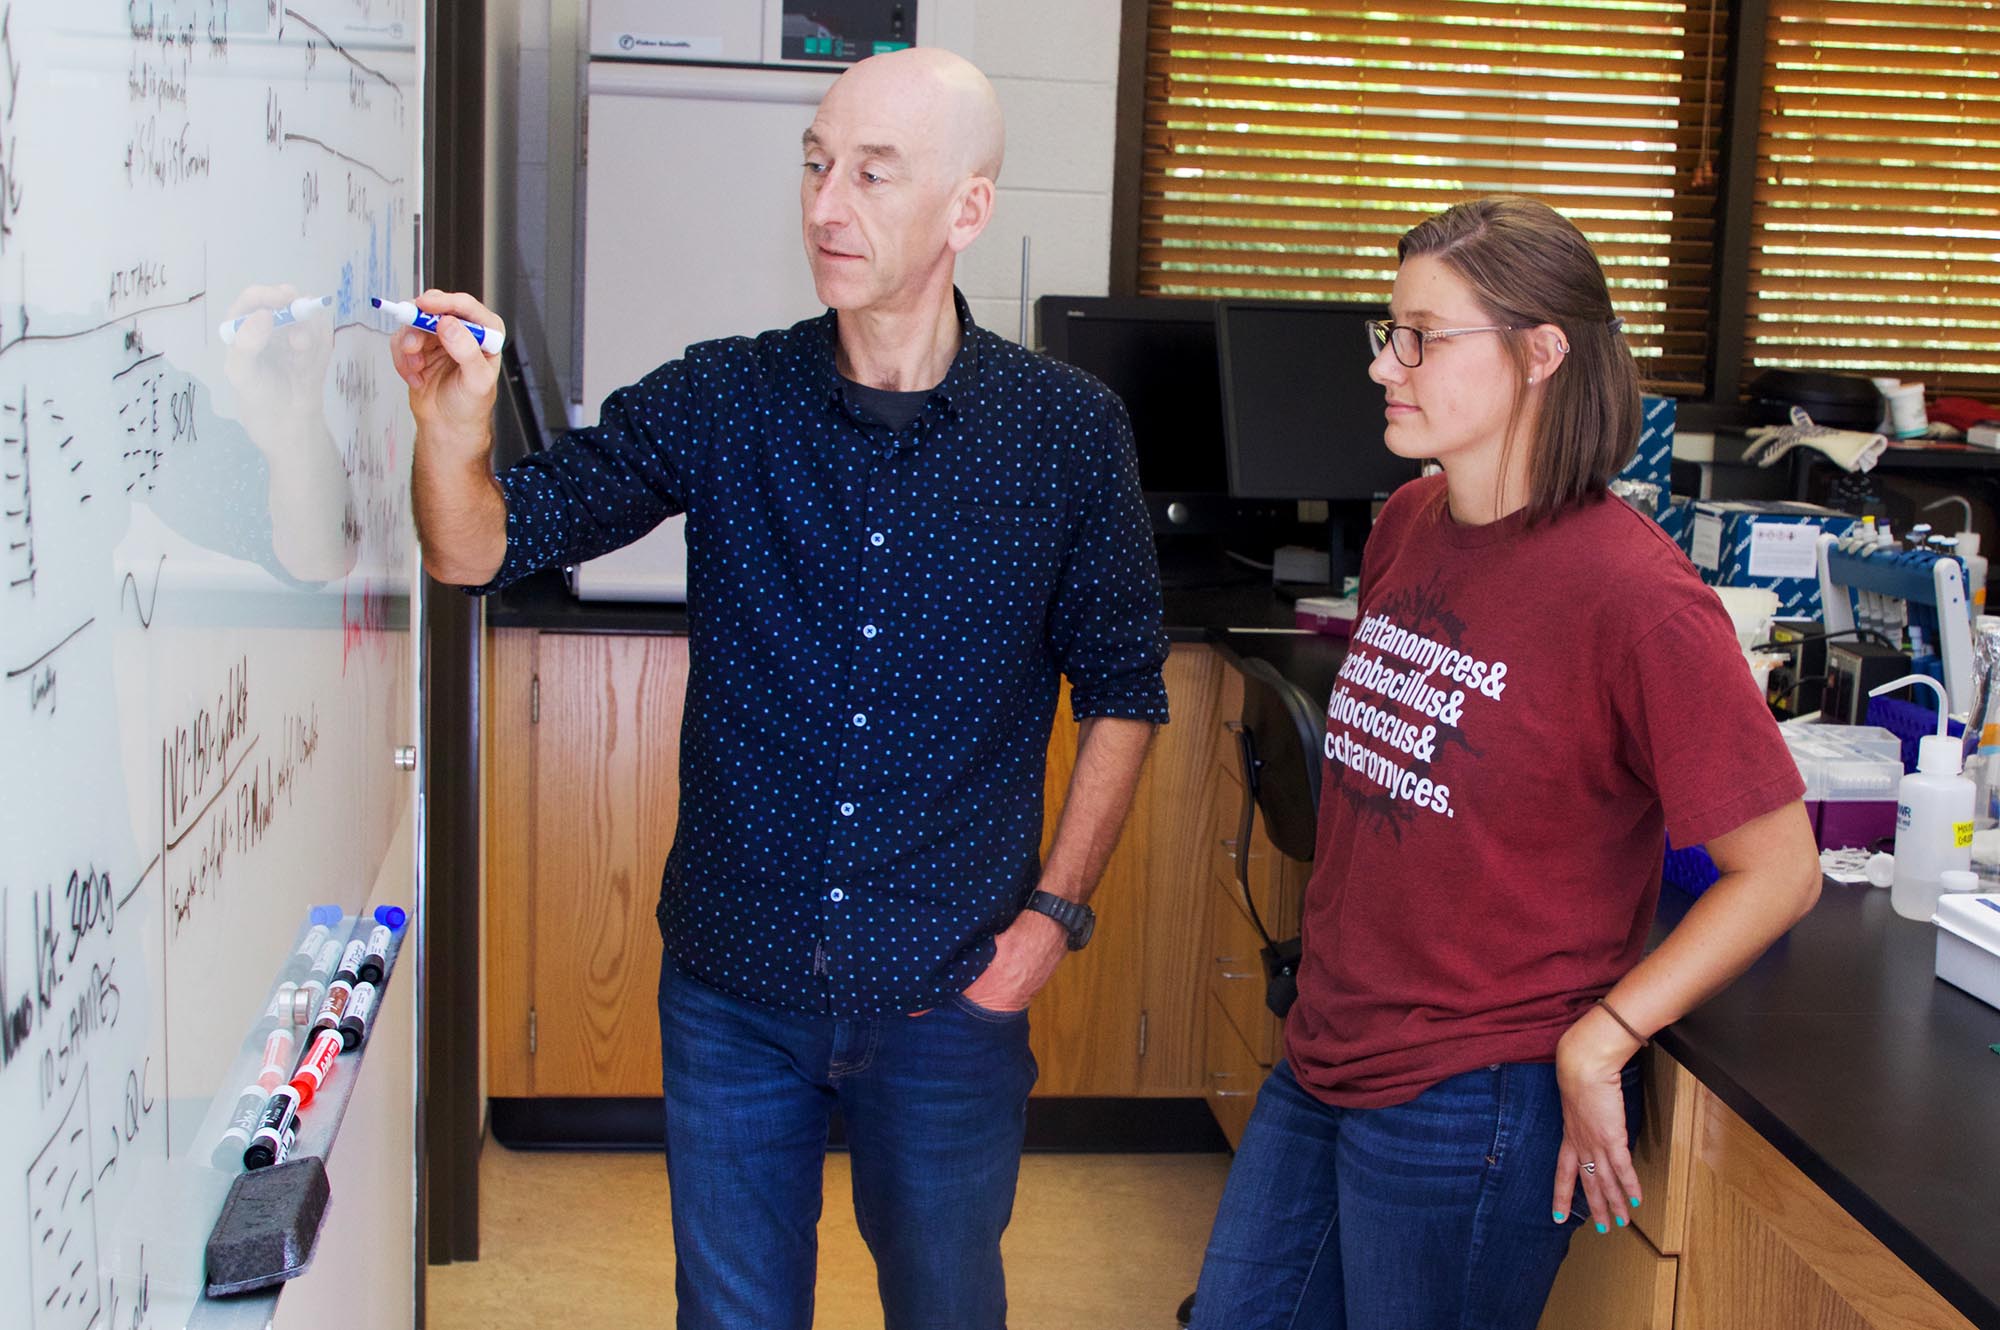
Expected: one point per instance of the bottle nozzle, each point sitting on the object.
(1944, 717)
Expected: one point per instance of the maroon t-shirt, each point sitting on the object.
(1523, 714)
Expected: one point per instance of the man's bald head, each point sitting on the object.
(899, 167)
(946, 107)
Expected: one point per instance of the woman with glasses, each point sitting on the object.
(1537, 691)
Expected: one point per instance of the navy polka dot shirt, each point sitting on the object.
(878, 620)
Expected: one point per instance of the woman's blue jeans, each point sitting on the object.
(935, 1107)
(1429, 1215)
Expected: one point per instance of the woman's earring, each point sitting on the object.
(1531, 378)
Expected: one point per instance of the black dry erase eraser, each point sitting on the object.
(269, 1226)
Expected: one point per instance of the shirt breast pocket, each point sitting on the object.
(989, 557)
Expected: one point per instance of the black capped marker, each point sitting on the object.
(354, 1025)
(377, 958)
(335, 1006)
(269, 1137)
(350, 961)
(242, 1124)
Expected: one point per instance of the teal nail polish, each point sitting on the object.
(1635, 1202)
(1560, 1216)
(1602, 1229)
(1621, 1221)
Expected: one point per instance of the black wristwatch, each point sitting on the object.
(1076, 918)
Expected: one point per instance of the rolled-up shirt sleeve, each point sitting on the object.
(603, 487)
(1104, 626)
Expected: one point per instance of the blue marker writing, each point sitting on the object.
(406, 313)
(303, 307)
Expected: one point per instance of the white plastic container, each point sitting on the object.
(1968, 945)
(1976, 565)
(1933, 816)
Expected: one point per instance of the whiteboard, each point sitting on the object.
(206, 661)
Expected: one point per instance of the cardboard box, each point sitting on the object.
(1773, 544)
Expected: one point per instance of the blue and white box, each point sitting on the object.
(1773, 544)
(1653, 463)
(1677, 520)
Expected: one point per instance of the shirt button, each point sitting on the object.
(860, 719)
(836, 895)
(869, 630)
(876, 538)
(847, 810)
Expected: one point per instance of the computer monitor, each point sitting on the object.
(1159, 355)
(1301, 417)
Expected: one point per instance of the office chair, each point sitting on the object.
(1278, 747)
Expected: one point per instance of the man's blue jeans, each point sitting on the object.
(1430, 1215)
(935, 1107)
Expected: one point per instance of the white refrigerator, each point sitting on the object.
(691, 203)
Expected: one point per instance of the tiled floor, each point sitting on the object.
(1098, 1242)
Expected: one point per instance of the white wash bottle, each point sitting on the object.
(1933, 816)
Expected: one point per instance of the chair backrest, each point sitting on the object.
(1283, 757)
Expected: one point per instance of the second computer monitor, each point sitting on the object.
(1301, 417)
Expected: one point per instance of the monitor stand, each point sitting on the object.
(1336, 564)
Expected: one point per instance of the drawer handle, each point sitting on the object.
(1229, 960)
(1233, 1094)
(1237, 974)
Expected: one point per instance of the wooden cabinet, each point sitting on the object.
(1244, 1040)
(1125, 1015)
(1767, 1249)
(1731, 1237)
(582, 747)
(582, 761)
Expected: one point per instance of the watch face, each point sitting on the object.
(1085, 926)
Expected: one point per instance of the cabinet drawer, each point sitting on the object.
(1610, 1280)
(1233, 1075)
(1236, 978)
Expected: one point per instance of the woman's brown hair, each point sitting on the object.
(1528, 265)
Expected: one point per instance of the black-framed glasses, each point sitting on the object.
(1408, 341)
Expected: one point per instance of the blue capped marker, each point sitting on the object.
(407, 314)
(328, 914)
(392, 915)
(303, 307)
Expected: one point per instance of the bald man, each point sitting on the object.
(903, 532)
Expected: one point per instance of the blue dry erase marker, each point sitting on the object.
(408, 314)
(303, 307)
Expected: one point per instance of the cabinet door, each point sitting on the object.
(1125, 1015)
(606, 785)
(1766, 1249)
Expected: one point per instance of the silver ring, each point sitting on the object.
(1590, 1168)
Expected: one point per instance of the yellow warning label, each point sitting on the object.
(1961, 835)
